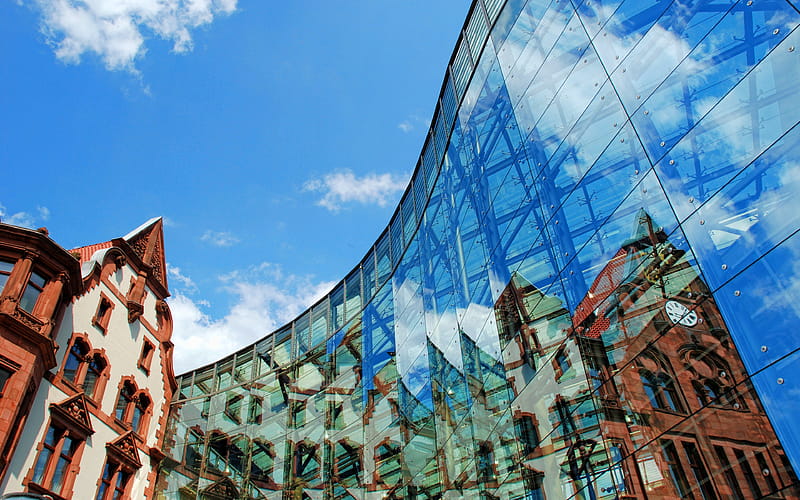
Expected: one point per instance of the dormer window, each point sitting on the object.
(32, 292)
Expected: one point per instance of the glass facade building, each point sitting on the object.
(590, 288)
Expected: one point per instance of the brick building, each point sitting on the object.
(85, 364)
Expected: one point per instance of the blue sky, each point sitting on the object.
(275, 138)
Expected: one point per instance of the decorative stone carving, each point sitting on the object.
(120, 261)
(125, 449)
(222, 489)
(74, 413)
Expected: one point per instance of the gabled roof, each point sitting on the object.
(85, 253)
(146, 243)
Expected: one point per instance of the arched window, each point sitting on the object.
(661, 391)
(133, 407)
(77, 355)
(94, 372)
(125, 400)
(713, 383)
(85, 369)
(140, 405)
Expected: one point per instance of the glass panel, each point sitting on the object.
(462, 67)
(476, 30)
(29, 297)
(754, 211)
(384, 258)
(353, 301)
(302, 340)
(319, 323)
(764, 298)
(337, 307)
(738, 129)
(580, 305)
(244, 366)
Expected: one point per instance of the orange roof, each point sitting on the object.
(89, 250)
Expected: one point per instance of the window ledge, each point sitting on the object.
(35, 488)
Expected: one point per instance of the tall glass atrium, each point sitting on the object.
(590, 288)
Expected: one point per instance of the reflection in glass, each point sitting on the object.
(588, 290)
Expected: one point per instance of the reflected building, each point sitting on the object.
(646, 347)
(588, 290)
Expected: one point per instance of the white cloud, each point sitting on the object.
(115, 30)
(343, 187)
(412, 122)
(24, 219)
(219, 238)
(186, 283)
(405, 126)
(266, 299)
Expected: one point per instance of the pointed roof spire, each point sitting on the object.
(147, 242)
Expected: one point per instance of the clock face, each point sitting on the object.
(679, 313)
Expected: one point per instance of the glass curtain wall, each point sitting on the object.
(589, 289)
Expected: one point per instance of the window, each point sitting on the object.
(527, 434)
(730, 475)
(254, 414)
(114, 483)
(334, 418)
(140, 405)
(5, 271)
(561, 363)
(747, 472)
(707, 391)
(766, 472)
(306, 460)
(124, 401)
(85, 369)
(347, 462)
(660, 389)
(675, 469)
(297, 416)
(147, 355)
(103, 314)
(262, 461)
(132, 407)
(94, 371)
(699, 471)
(193, 455)
(77, 355)
(485, 462)
(233, 406)
(5, 374)
(55, 460)
(32, 292)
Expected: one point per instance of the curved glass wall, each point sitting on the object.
(590, 288)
